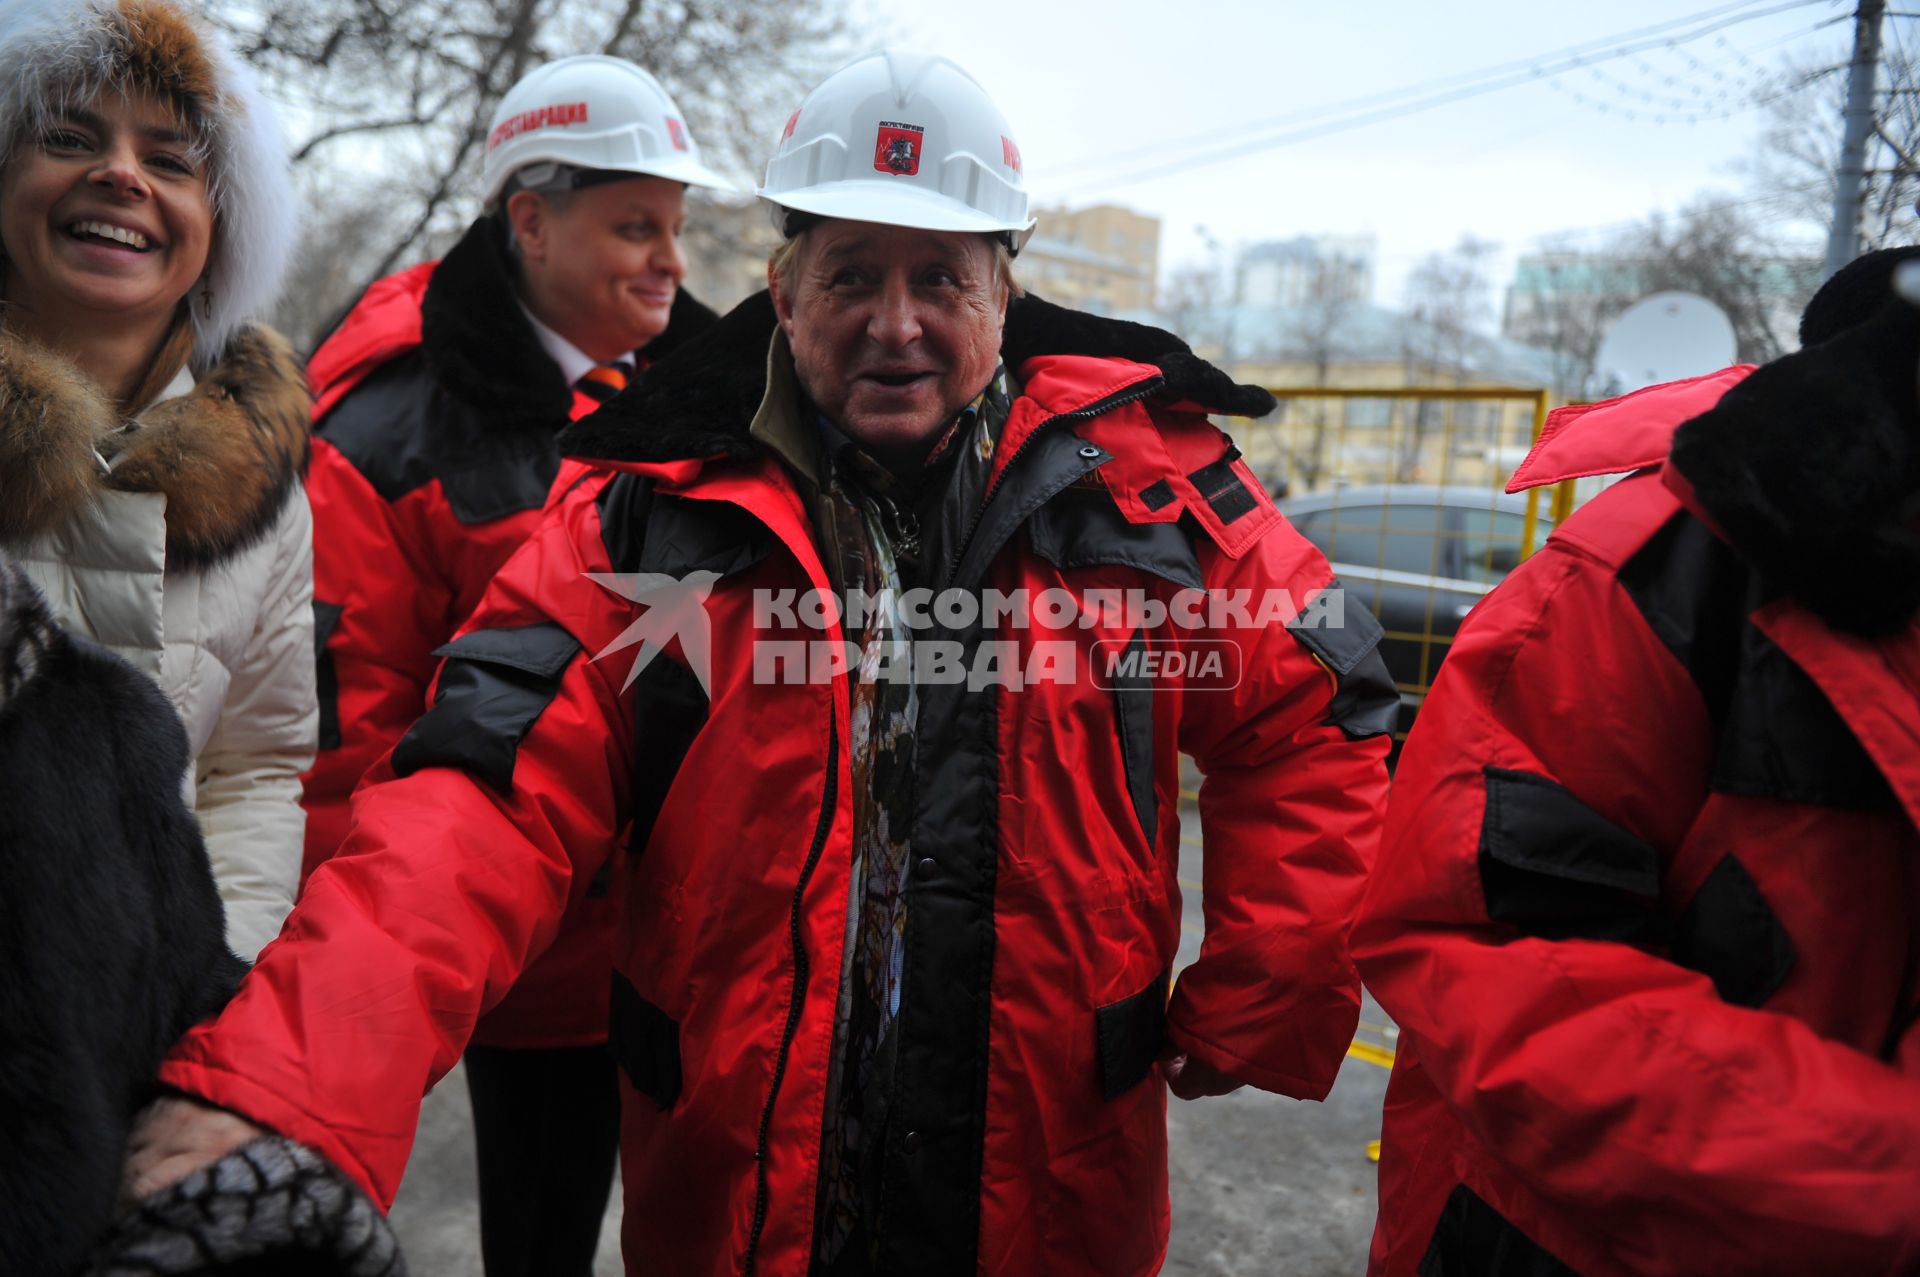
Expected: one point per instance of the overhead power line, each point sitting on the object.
(1709, 90)
(1346, 105)
(1358, 113)
(1646, 107)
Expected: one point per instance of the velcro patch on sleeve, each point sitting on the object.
(494, 686)
(1224, 498)
(1556, 868)
(1366, 700)
(1222, 488)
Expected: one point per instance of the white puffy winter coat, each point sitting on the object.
(193, 559)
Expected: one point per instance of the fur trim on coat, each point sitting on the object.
(27, 632)
(484, 351)
(113, 944)
(56, 55)
(227, 454)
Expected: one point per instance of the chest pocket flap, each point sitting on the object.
(688, 535)
(1083, 528)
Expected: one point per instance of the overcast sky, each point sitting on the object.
(1083, 84)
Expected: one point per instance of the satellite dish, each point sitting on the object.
(1659, 338)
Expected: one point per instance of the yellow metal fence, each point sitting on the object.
(1402, 488)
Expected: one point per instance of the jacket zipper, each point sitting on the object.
(801, 964)
(1119, 399)
(798, 1000)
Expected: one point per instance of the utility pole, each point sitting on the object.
(1843, 238)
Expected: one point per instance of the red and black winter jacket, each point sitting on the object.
(1027, 1130)
(1648, 898)
(437, 414)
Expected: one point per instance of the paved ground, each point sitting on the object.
(1262, 1186)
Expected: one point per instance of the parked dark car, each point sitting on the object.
(1419, 558)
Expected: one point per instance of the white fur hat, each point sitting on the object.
(56, 54)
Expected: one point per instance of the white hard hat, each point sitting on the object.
(904, 139)
(591, 112)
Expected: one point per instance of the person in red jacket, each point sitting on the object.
(866, 668)
(1648, 895)
(438, 403)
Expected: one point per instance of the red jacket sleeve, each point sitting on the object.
(1289, 814)
(382, 607)
(453, 878)
(1615, 1084)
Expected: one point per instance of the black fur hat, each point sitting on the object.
(1811, 466)
(1852, 295)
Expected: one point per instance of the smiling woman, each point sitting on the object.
(107, 224)
(151, 445)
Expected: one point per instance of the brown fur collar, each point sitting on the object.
(227, 454)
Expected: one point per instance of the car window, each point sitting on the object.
(1346, 532)
(1399, 538)
(1316, 526)
(1412, 539)
(1491, 542)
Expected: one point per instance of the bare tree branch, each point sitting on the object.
(1799, 147)
(1449, 299)
(623, 26)
(325, 136)
(417, 81)
(509, 64)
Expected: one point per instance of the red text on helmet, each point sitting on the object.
(560, 113)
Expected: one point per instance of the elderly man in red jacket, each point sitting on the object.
(866, 665)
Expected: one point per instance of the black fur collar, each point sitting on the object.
(1811, 467)
(700, 401)
(486, 353)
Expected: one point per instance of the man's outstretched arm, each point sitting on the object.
(468, 841)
